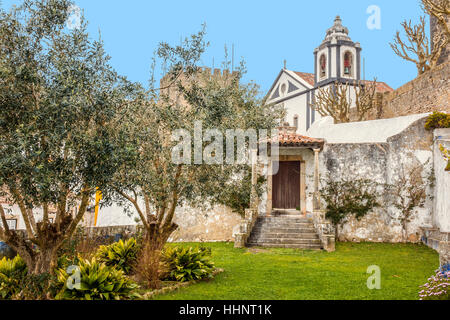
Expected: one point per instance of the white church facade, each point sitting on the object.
(336, 60)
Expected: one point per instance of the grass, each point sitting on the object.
(289, 274)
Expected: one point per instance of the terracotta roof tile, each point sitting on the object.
(290, 139)
(308, 77)
(381, 86)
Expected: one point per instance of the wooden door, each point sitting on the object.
(286, 186)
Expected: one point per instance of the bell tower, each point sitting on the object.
(338, 58)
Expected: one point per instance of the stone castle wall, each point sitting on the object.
(427, 93)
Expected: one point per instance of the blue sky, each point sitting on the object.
(264, 33)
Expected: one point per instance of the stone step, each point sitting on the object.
(303, 235)
(286, 218)
(290, 246)
(286, 241)
(285, 231)
(258, 229)
(284, 222)
(284, 212)
(284, 226)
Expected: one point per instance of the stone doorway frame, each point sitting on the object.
(284, 158)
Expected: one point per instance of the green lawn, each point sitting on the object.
(290, 274)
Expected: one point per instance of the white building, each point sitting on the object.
(336, 60)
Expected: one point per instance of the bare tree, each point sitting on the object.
(335, 101)
(417, 48)
(365, 98)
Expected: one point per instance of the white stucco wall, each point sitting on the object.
(361, 132)
(441, 215)
(209, 224)
(297, 106)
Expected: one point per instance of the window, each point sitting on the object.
(348, 63)
(283, 89)
(323, 66)
(296, 121)
(12, 224)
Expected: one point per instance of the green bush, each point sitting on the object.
(37, 287)
(12, 273)
(344, 198)
(438, 120)
(97, 282)
(122, 255)
(186, 264)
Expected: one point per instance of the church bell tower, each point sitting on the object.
(338, 58)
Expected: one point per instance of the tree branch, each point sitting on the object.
(136, 205)
(5, 230)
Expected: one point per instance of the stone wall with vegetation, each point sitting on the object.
(384, 163)
(427, 93)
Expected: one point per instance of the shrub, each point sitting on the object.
(97, 282)
(237, 195)
(438, 120)
(186, 264)
(437, 287)
(150, 268)
(81, 244)
(12, 273)
(347, 197)
(36, 287)
(122, 255)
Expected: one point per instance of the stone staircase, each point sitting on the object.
(284, 231)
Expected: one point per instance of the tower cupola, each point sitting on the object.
(338, 58)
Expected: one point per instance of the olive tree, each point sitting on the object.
(175, 167)
(61, 104)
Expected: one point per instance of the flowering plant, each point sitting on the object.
(438, 286)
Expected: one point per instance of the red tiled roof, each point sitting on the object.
(381, 86)
(308, 77)
(290, 139)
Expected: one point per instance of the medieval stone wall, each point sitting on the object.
(427, 93)
(383, 163)
(214, 224)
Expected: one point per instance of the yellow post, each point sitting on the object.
(98, 197)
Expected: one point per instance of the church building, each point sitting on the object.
(336, 60)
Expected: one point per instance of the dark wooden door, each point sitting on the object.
(286, 186)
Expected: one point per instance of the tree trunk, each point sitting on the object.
(41, 261)
(336, 232)
(45, 261)
(155, 239)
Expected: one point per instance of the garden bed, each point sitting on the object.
(172, 286)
